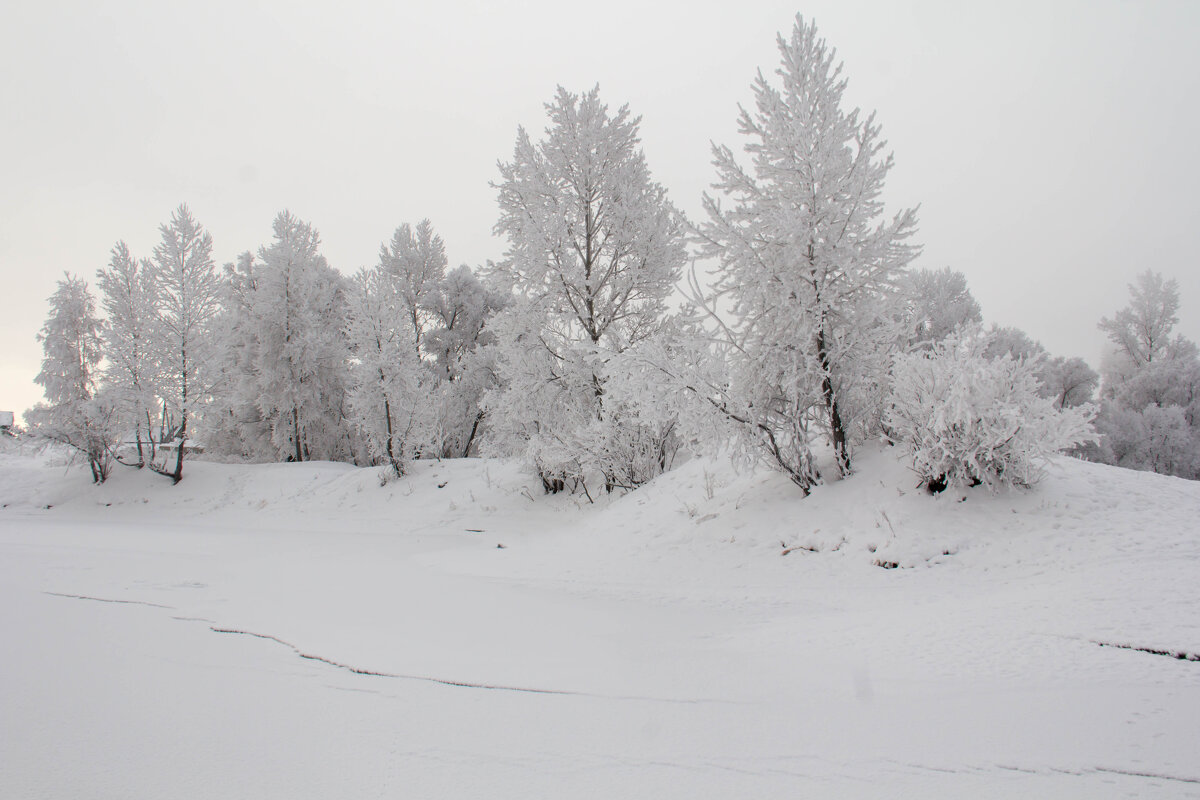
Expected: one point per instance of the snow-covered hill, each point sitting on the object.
(710, 635)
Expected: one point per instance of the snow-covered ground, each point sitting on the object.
(300, 631)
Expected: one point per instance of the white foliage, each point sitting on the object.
(1069, 382)
(595, 248)
(1154, 438)
(1012, 342)
(806, 260)
(1142, 330)
(463, 362)
(390, 402)
(129, 332)
(186, 299)
(938, 303)
(967, 419)
(285, 348)
(1150, 419)
(416, 260)
(74, 415)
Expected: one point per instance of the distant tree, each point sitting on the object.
(1011, 342)
(1069, 382)
(1172, 381)
(595, 248)
(71, 344)
(1151, 385)
(1154, 438)
(186, 298)
(938, 303)
(128, 333)
(1142, 330)
(806, 263)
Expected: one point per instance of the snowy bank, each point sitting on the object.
(302, 630)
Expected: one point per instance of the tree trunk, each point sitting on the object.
(837, 430)
(296, 434)
(387, 413)
(471, 437)
(177, 475)
(150, 437)
(138, 435)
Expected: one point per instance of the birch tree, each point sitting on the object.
(71, 344)
(594, 249)
(386, 399)
(186, 292)
(127, 298)
(416, 260)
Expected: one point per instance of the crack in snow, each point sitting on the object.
(1155, 775)
(463, 684)
(1093, 770)
(1178, 655)
(109, 600)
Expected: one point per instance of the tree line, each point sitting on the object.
(808, 336)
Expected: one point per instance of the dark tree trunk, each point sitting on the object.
(296, 434)
(177, 475)
(471, 436)
(837, 429)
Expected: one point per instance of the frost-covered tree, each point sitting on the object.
(938, 303)
(416, 260)
(1142, 330)
(390, 400)
(1012, 342)
(187, 294)
(595, 247)
(1153, 438)
(127, 297)
(233, 424)
(458, 346)
(71, 344)
(967, 419)
(286, 336)
(1069, 382)
(1150, 418)
(806, 261)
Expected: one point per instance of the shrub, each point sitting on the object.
(967, 420)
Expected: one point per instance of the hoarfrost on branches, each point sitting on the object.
(967, 419)
(75, 415)
(129, 335)
(186, 300)
(284, 350)
(595, 248)
(390, 398)
(806, 263)
(1150, 418)
(938, 303)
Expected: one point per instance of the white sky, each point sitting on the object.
(1052, 146)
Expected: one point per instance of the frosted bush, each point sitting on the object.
(967, 420)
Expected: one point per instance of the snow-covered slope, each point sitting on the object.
(710, 635)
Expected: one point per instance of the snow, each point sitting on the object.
(658, 644)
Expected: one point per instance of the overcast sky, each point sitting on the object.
(1052, 146)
